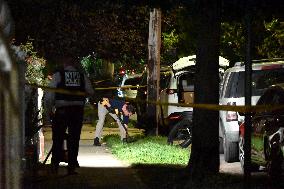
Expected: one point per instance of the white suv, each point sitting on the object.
(180, 88)
(264, 74)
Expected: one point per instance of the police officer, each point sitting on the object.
(67, 111)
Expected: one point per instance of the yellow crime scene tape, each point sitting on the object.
(96, 82)
(58, 90)
(235, 108)
(243, 109)
(123, 87)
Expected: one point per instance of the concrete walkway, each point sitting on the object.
(97, 156)
(89, 155)
(98, 168)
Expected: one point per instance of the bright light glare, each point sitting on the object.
(97, 160)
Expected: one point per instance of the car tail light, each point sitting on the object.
(171, 91)
(270, 67)
(231, 115)
(242, 129)
(175, 117)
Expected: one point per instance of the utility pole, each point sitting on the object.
(248, 73)
(153, 68)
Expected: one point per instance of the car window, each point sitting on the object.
(272, 96)
(186, 88)
(186, 82)
(118, 80)
(261, 80)
(133, 81)
(232, 89)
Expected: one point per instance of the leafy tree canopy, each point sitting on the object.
(117, 31)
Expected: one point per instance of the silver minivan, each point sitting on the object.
(264, 74)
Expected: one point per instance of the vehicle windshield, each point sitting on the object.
(133, 81)
(261, 80)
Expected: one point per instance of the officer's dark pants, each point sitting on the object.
(70, 117)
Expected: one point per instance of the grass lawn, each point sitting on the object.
(162, 166)
(148, 150)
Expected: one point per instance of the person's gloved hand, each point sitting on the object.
(110, 109)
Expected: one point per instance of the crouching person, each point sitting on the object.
(115, 108)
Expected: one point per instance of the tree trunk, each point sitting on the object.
(109, 69)
(204, 158)
(153, 69)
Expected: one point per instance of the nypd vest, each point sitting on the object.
(71, 81)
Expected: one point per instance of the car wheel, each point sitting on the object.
(181, 134)
(253, 166)
(274, 168)
(274, 160)
(230, 150)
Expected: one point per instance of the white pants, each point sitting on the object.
(102, 112)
